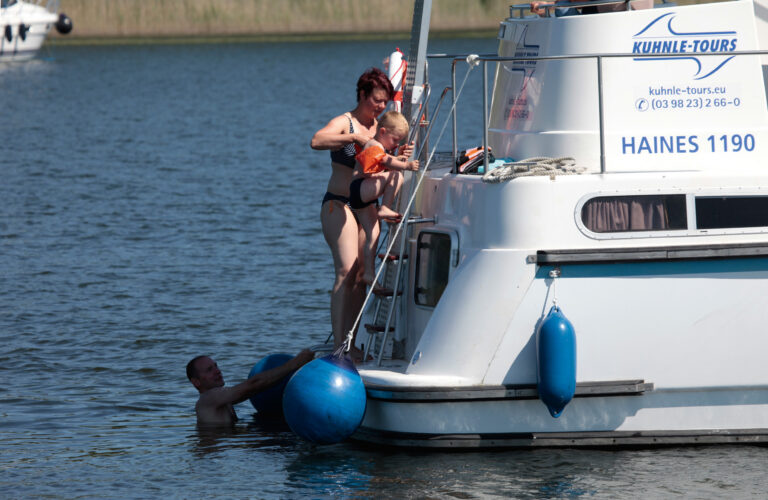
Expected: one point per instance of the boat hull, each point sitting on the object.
(646, 418)
(701, 359)
(657, 258)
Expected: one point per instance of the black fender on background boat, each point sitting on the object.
(64, 24)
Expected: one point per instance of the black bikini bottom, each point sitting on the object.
(335, 197)
(354, 195)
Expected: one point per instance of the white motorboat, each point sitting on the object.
(653, 243)
(24, 26)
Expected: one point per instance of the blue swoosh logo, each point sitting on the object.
(661, 29)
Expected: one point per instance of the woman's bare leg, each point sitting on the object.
(340, 230)
(356, 297)
(369, 220)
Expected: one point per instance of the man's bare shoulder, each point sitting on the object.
(214, 408)
(217, 396)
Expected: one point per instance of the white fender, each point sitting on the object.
(396, 73)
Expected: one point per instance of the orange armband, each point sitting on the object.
(370, 159)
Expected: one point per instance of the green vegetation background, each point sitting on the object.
(301, 19)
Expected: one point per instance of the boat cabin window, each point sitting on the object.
(433, 266)
(723, 212)
(613, 214)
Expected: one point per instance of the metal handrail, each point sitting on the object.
(456, 58)
(403, 237)
(416, 117)
(406, 213)
(414, 187)
(485, 59)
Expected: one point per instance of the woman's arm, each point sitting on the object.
(335, 135)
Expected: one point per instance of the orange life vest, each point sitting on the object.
(370, 159)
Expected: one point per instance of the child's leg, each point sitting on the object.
(369, 222)
(376, 185)
(391, 188)
(373, 186)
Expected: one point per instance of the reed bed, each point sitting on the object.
(179, 18)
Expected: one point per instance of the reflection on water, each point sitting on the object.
(333, 472)
(258, 433)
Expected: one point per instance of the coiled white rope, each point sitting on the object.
(533, 166)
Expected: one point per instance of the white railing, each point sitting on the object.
(485, 59)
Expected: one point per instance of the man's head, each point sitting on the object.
(393, 128)
(204, 373)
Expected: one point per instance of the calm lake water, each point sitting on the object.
(159, 202)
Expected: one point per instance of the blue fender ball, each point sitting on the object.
(324, 402)
(556, 352)
(270, 402)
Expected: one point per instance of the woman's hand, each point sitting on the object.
(360, 139)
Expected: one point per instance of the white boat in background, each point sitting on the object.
(653, 242)
(24, 26)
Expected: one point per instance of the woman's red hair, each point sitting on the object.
(372, 79)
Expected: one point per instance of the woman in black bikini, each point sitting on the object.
(342, 136)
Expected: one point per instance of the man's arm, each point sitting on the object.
(259, 382)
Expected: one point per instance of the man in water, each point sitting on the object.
(214, 407)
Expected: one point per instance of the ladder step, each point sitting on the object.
(392, 257)
(376, 328)
(421, 220)
(386, 292)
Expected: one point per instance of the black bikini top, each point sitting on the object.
(346, 155)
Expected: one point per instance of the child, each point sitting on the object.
(377, 174)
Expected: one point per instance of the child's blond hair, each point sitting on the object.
(395, 122)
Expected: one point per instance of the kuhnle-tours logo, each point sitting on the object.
(660, 37)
